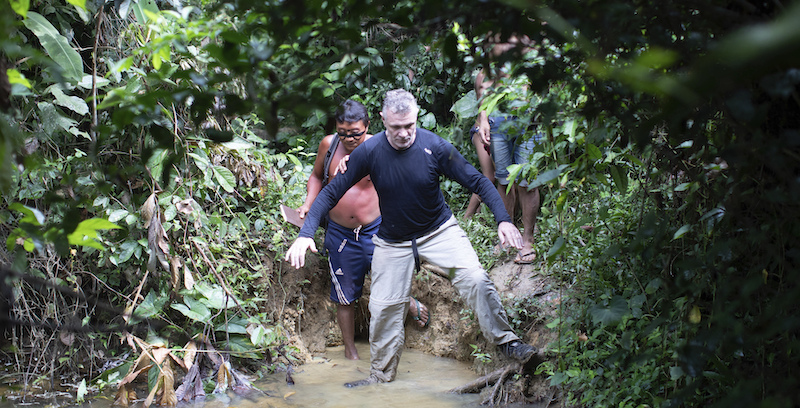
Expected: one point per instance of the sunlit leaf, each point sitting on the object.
(20, 7)
(15, 77)
(86, 232)
(31, 215)
(78, 3)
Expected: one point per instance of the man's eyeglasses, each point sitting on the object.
(351, 135)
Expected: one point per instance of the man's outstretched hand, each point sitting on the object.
(509, 235)
(296, 255)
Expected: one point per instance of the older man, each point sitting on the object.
(351, 223)
(405, 164)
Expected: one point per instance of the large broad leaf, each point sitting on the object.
(152, 305)
(225, 178)
(86, 232)
(72, 103)
(617, 308)
(193, 309)
(467, 106)
(620, 177)
(56, 45)
(547, 176)
(215, 296)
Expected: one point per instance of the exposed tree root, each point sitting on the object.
(509, 384)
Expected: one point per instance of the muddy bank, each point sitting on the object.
(453, 332)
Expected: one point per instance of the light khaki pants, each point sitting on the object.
(392, 271)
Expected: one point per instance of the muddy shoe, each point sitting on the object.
(517, 350)
(367, 381)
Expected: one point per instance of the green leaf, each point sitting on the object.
(193, 309)
(72, 103)
(547, 176)
(467, 106)
(82, 391)
(215, 296)
(15, 77)
(31, 215)
(78, 3)
(144, 9)
(86, 232)
(225, 178)
(681, 231)
(605, 315)
(557, 248)
(20, 7)
(117, 215)
(620, 178)
(86, 82)
(56, 45)
(151, 305)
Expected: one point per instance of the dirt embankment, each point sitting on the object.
(530, 297)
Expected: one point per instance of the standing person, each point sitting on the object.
(509, 146)
(351, 223)
(405, 164)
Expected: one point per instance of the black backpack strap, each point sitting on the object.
(328, 158)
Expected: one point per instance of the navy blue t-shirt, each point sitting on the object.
(407, 182)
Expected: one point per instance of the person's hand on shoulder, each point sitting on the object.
(342, 166)
(296, 255)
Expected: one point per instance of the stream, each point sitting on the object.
(422, 381)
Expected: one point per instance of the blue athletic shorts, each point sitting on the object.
(508, 148)
(349, 258)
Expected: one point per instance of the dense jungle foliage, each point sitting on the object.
(146, 144)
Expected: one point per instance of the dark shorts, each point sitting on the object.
(349, 258)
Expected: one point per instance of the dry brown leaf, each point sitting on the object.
(160, 354)
(223, 377)
(185, 206)
(189, 354)
(121, 399)
(188, 278)
(148, 209)
(192, 386)
(175, 264)
(168, 397)
(152, 396)
(289, 394)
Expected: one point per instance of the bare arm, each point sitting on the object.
(482, 121)
(314, 185)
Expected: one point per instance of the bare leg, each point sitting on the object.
(529, 204)
(345, 314)
(487, 168)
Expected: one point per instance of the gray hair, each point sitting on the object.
(399, 101)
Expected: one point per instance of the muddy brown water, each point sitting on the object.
(423, 380)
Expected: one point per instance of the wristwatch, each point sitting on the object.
(474, 130)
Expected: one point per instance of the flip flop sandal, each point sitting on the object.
(417, 317)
